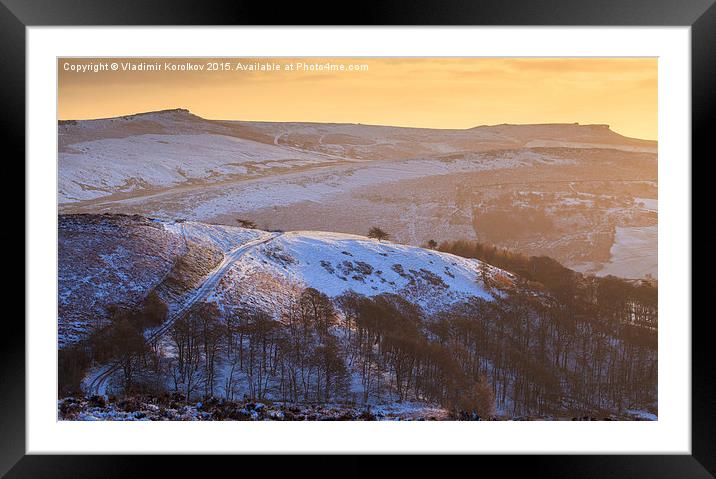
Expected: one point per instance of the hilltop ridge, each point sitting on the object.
(186, 113)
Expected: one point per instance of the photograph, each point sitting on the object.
(357, 239)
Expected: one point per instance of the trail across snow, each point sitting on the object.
(96, 383)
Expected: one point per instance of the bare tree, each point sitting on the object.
(211, 332)
(186, 367)
(129, 345)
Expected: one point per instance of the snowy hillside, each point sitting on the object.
(116, 260)
(148, 152)
(99, 157)
(336, 263)
(108, 261)
(186, 312)
(105, 261)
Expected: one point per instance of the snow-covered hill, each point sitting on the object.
(151, 151)
(107, 260)
(336, 263)
(102, 157)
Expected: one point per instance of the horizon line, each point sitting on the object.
(182, 109)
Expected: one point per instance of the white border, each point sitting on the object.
(670, 434)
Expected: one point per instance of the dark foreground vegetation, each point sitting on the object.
(173, 407)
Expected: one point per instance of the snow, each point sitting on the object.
(156, 150)
(107, 261)
(570, 144)
(91, 169)
(119, 260)
(225, 238)
(644, 415)
(266, 269)
(634, 253)
(317, 186)
(651, 204)
(335, 263)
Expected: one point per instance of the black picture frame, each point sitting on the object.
(700, 15)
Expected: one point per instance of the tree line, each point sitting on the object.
(628, 301)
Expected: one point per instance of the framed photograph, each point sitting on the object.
(432, 230)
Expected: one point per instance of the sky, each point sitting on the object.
(417, 92)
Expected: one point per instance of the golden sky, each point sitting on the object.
(418, 92)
